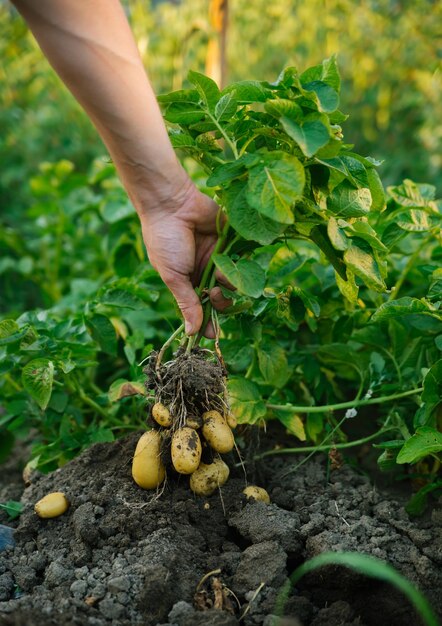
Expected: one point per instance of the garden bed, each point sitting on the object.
(121, 556)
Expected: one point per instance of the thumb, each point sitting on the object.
(187, 300)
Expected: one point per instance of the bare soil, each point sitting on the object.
(124, 556)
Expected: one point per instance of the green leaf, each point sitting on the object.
(227, 172)
(284, 108)
(363, 564)
(226, 107)
(125, 260)
(348, 287)
(337, 235)
(245, 400)
(350, 167)
(411, 194)
(207, 89)
(414, 221)
(238, 356)
(182, 95)
(398, 308)
(248, 91)
(327, 72)
(319, 236)
(376, 189)
(346, 201)
(247, 221)
(10, 332)
(425, 441)
(116, 208)
(386, 462)
(432, 393)
(184, 113)
(418, 502)
(356, 172)
(330, 73)
(102, 330)
(275, 184)
(273, 365)
(293, 423)
(309, 301)
(181, 140)
(122, 298)
(247, 276)
(12, 508)
(364, 265)
(310, 136)
(123, 388)
(364, 231)
(37, 378)
(101, 435)
(326, 97)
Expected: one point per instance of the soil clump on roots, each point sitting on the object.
(189, 385)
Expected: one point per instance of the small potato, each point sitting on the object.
(223, 471)
(147, 468)
(217, 432)
(161, 415)
(52, 505)
(186, 450)
(231, 420)
(212, 414)
(257, 493)
(207, 478)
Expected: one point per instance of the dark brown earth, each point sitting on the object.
(123, 556)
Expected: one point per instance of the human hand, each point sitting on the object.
(180, 233)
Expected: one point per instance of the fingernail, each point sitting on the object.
(188, 327)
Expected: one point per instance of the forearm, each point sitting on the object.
(90, 45)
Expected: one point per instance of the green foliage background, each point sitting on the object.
(81, 307)
(389, 52)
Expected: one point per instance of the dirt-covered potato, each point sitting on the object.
(231, 420)
(147, 468)
(52, 505)
(257, 493)
(207, 478)
(161, 415)
(217, 432)
(186, 450)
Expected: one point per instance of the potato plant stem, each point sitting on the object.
(409, 265)
(208, 281)
(94, 405)
(290, 408)
(322, 448)
(167, 344)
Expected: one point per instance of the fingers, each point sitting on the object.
(209, 331)
(219, 302)
(187, 300)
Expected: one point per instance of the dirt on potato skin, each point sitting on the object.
(122, 556)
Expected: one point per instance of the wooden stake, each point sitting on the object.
(216, 62)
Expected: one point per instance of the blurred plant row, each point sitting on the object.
(388, 51)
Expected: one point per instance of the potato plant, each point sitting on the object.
(336, 312)
(286, 182)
